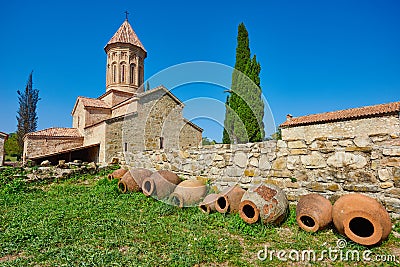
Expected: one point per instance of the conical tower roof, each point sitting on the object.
(127, 35)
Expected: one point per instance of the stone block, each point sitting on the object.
(344, 159)
(240, 159)
(322, 187)
(362, 141)
(218, 158)
(391, 152)
(360, 149)
(264, 163)
(346, 143)
(386, 185)
(390, 162)
(361, 187)
(385, 174)
(279, 164)
(313, 161)
(298, 152)
(249, 172)
(296, 144)
(280, 174)
(253, 162)
(281, 144)
(234, 171)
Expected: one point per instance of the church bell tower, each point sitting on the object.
(125, 60)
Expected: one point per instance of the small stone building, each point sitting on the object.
(125, 118)
(356, 122)
(3, 138)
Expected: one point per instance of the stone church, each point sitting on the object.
(125, 118)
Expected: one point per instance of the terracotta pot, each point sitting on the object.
(313, 212)
(117, 174)
(361, 218)
(229, 199)
(208, 204)
(132, 179)
(160, 184)
(188, 193)
(266, 202)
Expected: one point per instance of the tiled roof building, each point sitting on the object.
(362, 121)
(123, 119)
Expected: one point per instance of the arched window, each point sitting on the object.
(132, 73)
(114, 73)
(122, 72)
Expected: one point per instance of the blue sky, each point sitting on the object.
(316, 56)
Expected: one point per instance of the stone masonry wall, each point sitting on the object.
(329, 166)
(350, 128)
(38, 146)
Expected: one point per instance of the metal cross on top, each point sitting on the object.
(126, 14)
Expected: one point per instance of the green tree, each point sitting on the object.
(27, 116)
(208, 141)
(244, 106)
(12, 147)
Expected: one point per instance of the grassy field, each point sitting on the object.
(85, 221)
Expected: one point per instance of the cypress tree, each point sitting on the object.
(244, 107)
(27, 117)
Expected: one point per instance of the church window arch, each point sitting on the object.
(114, 72)
(123, 72)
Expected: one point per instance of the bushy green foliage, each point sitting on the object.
(11, 146)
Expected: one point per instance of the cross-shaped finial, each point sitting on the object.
(126, 15)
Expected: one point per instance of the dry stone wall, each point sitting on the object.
(329, 166)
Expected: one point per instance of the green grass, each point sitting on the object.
(85, 221)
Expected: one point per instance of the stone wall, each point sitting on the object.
(159, 115)
(344, 129)
(39, 146)
(96, 115)
(329, 166)
(2, 140)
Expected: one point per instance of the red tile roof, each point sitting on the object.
(57, 132)
(347, 114)
(125, 34)
(3, 134)
(93, 102)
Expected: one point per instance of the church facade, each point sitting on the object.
(125, 118)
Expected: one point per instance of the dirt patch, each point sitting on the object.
(11, 257)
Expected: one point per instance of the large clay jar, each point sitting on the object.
(266, 202)
(313, 212)
(117, 174)
(208, 203)
(229, 199)
(132, 179)
(160, 184)
(361, 218)
(188, 193)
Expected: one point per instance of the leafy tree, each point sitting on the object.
(277, 135)
(27, 117)
(244, 106)
(12, 147)
(208, 141)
